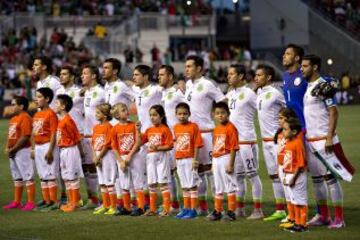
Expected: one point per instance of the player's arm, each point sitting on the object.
(195, 162)
(295, 177)
(230, 166)
(134, 149)
(81, 150)
(18, 145)
(161, 148)
(333, 118)
(49, 154)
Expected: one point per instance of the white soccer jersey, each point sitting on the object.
(170, 98)
(200, 95)
(242, 104)
(93, 97)
(51, 82)
(316, 112)
(144, 99)
(269, 102)
(118, 92)
(77, 111)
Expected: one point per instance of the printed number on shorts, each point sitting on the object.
(250, 163)
(232, 103)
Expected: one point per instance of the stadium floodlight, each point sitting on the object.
(188, 2)
(329, 61)
(235, 1)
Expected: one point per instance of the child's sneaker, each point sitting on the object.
(190, 214)
(256, 214)
(337, 223)
(52, 206)
(240, 212)
(164, 213)
(110, 211)
(277, 215)
(288, 224)
(319, 220)
(181, 214)
(137, 212)
(12, 205)
(298, 228)
(149, 213)
(29, 206)
(100, 210)
(89, 205)
(214, 216)
(228, 216)
(122, 212)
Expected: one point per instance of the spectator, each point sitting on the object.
(100, 31)
(155, 54)
(109, 8)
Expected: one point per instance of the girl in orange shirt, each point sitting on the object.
(104, 159)
(159, 143)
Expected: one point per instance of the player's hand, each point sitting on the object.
(229, 169)
(32, 154)
(292, 182)
(97, 161)
(153, 148)
(123, 166)
(195, 164)
(329, 145)
(138, 126)
(127, 160)
(49, 157)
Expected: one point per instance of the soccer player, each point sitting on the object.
(94, 95)
(200, 95)
(104, 159)
(44, 135)
(42, 68)
(242, 104)
(269, 102)
(188, 141)
(18, 148)
(171, 96)
(321, 117)
(160, 142)
(131, 163)
(71, 152)
(225, 146)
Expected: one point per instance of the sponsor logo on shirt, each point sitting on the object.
(99, 141)
(126, 141)
(183, 142)
(287, 158)
(155, 139)
(38, 125)
(219, 143)
(12, 131)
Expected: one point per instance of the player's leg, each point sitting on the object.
(111, 172)
(163, 174)
(241, 183)
(103, 190)
(136, 180)
(219, 182)
(151, 172)
(230, 188)
(336, 195)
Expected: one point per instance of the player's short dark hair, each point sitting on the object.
(169, 69)
(183, 105)
(239, 68)
(21, 100)
(299, 51)
(198, 61)
(269, 71)
(94, 70)
(45, 61)
(221, 105)
(144, 70)
(47, 93)
(116, 64)
(69, 68)
(66, 101)
(314, 60)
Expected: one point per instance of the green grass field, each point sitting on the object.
(84, 225)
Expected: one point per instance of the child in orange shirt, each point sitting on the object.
(160, 142)
(188, 141)
(225, 145)
(44, 136)
(104, 159)
(18, 149)
(71, 151)
(131, 162)
(294, 168)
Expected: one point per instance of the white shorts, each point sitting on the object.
(86, 144)
(246, 160)
(46, 171)
(158, 167)
(134, 177)
(315, 166)
(205, 153)
(224, 182)
(282, 177)
(172, 159)
(108, 171)
(298, 193)
(270, 156)
(70, 163)
(188, 177)
(22, 166)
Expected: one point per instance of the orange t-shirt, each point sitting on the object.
(44, 125)
(281, 145)
(187, 138)
(225, 139)
(294, 154)
(158, 136)
(123, 137)
(101, 136)
(67, 134)
(19, 126)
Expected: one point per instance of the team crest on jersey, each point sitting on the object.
(241, 96)
(72, 94)
(94, 94)
(38, 125)
(219, 143)
(47, 85)
(126, 141)
(169, 95)
(200, 88)
(146, 93)
(183, 142)
(115, 89)
(297, 81)
(268, 95)
(287, 158)
(99, 141)
(12, 131)
(155, 139)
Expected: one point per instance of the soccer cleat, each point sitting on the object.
(277, 215)
(181, 214)
(256, 214)
(29, 206)
(240, 212)
(174, 211)
(122, 212)
(228, 216)
(214, 216)
(89, 205)
(12, 205)
(40, 205)
(190, 214)
(203, 212)
(149, 213)
(63, 200)
(50, 207)
(297, 228)
(70, 208)
(137, 212)
(100, 210)
(319, 220)
(111, 211)
(164, 213)
(288, 224)
(337, 223)
(285, 220)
